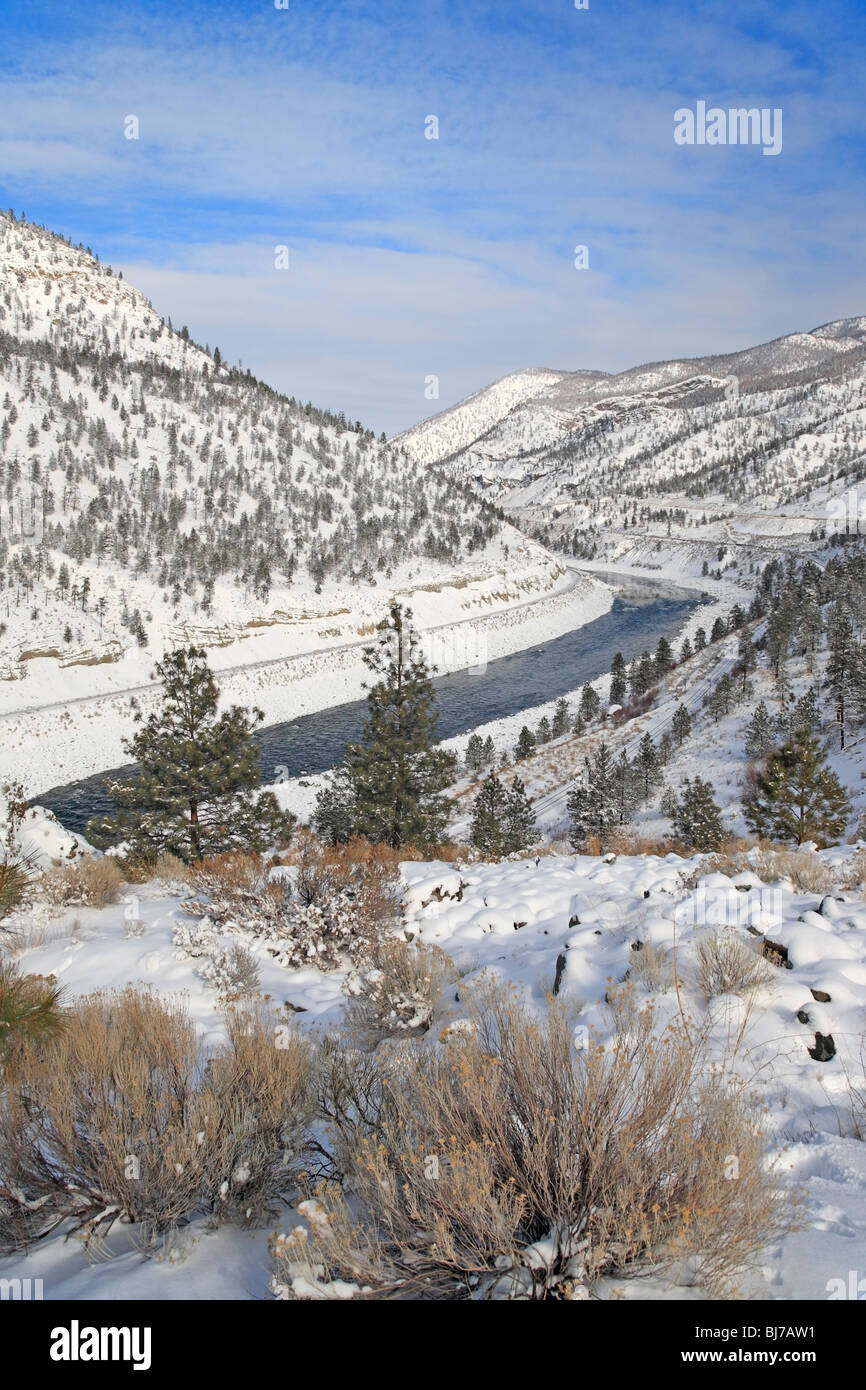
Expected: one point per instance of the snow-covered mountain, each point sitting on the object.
(150, 492)
(778, 430)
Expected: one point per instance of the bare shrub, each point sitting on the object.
(728, 965)
(397, 991)
(510, 1164)
(124, 1117)
(653, 967)
(91, 881)
(804, 869)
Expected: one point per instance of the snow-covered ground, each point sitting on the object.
(519, 919)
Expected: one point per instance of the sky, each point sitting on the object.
(411, 258)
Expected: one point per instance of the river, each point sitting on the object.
(642, 612)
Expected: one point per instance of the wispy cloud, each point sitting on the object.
(410, 256)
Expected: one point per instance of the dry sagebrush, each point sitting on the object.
(509, 1164)
(123, 1116)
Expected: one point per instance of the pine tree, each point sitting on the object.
(648, 766)
(700, 640)
(489, 751)
(592, 804)
(543, 733)
(747, 658)
(526, 743)
(760, 734)
(626, 785)
(698, 820)
(719, 629)
(797, 796)
(334, 815)
(617, 680)
(560, 718)
(664, 659)
(842, 665)
(590, 703)
(686, 650)
(519, 828)
(396, 773)
(475, 753)
(487, 826)
(194, 793)
(681, 724)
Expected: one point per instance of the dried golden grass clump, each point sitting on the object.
(729, 965)
(90, 881)
(509, 1163)
(123, 1116)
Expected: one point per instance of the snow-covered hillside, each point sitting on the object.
(152, 495)
(754, 451)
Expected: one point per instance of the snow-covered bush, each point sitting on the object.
(396, 992)
(233, 971)
(344, 905)
(194, 939)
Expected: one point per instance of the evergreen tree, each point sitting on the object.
(664, 659)
(525, 744)
(665, 747)
(592, 803)
(681, 724)
(579, 725)
(396, 774)
(590, 703)
(719, 630)
(760, 734)
(617, 680)
(669, 803)
(842, 665)
(544, 732)
(489, 751)
(520, 827)
(626, 786)
(648, 766)
(334, 816)
(700, 640)
(747, 658)
(797, 796)
(698, 820)
(487, 826)
(475, 753)
(686, 650)
(560, 718)
(194, 793)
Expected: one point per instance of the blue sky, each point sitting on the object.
(411, 257)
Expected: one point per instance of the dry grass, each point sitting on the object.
(90, 881)
(653, 967)
(728, 965)
(124, 1117)
(804, 869)
(509, 1163)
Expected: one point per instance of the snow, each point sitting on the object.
(512, 919)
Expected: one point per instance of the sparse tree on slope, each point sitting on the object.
(194, 794)
(698, 820)
(797, 796)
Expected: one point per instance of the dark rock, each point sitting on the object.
(824, 1048)
(775, 953)
(820, 996)
(560, 970)
(803, 1016)
(637, 945)
(574, 921)
(518, 925)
